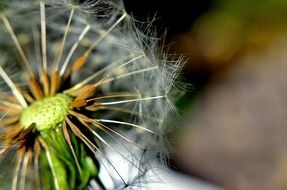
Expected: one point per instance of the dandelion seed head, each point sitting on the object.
(81, 81)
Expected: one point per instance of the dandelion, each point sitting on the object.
(79, 81)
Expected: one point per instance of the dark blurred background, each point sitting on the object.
(235, 116)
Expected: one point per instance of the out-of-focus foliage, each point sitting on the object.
(232, 27)
(236, 132)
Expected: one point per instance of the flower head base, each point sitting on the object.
(79, 81)
(46, 113)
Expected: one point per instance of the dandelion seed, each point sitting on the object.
(79, 81)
